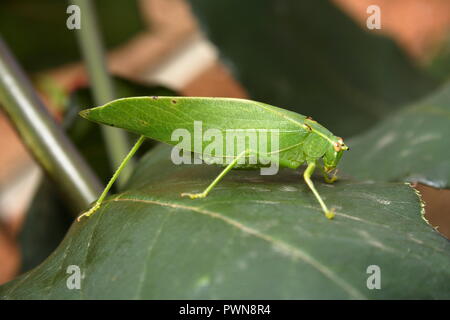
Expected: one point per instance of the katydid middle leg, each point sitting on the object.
(216, 180)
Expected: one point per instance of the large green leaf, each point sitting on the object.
(307, 56)
(411, 145)
(253, 237)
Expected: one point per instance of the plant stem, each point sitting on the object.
(43, 137)
(90, 41)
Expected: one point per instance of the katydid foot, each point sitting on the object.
(195, 195)
(328, 179)
(90, 212)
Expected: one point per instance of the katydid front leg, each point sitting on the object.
(307, 176)
(327, 178)
(216, 180)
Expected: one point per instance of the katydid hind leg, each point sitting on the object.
(116, 174)
(307, 176)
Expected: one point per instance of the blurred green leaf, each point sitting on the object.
(37, 34)
(252, 238)
(309, 57)
(411, 145)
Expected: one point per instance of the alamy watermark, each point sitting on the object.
(73, 22)
(374, 20)
(374, 280)
(74, 279)
(214, 146)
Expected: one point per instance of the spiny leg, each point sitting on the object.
(114, 177)
(216, 180)
(307, 176)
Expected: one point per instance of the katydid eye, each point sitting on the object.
(337, 146)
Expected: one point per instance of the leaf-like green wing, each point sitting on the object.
(159, 118)
(253, 238)
(412, 145)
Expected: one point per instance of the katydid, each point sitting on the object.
(300, 139)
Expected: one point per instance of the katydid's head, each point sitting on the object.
(334, 154)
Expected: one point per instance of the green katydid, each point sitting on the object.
(300, 139)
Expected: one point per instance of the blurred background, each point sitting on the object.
(174, 43)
